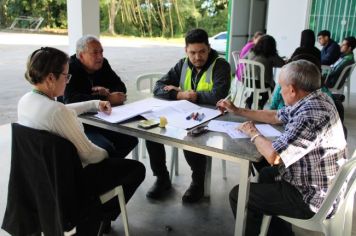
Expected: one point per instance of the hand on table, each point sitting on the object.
(226, 105)
(117, 98)
(102, 91)
(171, 87)
(104, 106)
(248, 128)
(190, 95)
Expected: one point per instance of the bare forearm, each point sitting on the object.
(264, 146)
(265, 116)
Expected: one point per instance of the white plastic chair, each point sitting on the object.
(145, 84)
(344, 77)
(253, 71)
(119, 192)
(236, 85)
(341, 222)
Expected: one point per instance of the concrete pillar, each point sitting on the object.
(83, 18)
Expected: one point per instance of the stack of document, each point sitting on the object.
(176, 112)
(230, 128)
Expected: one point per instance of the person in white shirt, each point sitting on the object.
(47, 71)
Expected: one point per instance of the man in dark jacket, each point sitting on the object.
(202, 77)
(93, 78)
(330, 51)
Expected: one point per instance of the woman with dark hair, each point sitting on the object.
(307, 42)
(47, 71)
(265, 52)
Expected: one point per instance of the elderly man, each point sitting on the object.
(302, 160)
(202, 77)
(93, 78)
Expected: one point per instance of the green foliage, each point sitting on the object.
(54, 12)
(134, 17)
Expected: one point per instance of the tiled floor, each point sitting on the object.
(210, 217)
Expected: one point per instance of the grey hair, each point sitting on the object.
(302, 74)
(83, 42)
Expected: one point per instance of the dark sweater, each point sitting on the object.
(330, 53)
(80, 86)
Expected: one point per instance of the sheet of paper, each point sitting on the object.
(178, 111)
(127, 111)
(229, 128)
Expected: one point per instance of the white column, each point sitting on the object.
(238, 26)
(83, 18)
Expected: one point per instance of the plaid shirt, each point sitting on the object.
(312, 146)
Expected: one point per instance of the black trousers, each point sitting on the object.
(116, 144)
(157, 154)
(101, 177)
(271, 198)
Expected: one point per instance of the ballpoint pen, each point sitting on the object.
(190, 116)
(195, 116)
(201, 117)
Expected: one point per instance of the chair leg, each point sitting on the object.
(265, 225)
(135, 153)
(207, 181)
(174, 163)
(348, 91)
(176, 159)
(119, 192)
(101, 229)
(143, 148)
(122, 202)
(223, 163)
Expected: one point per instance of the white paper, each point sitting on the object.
(230, 128)
(152, 108)
(178, 111)
(127, 111)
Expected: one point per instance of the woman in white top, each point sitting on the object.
(47, 71)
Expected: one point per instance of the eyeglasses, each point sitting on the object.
(68, 76)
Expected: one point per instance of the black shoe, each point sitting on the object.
(159, 188)
(194, 193)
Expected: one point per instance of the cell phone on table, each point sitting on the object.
(147, 124)
(198, 130)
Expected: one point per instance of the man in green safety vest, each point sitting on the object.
(202, 77)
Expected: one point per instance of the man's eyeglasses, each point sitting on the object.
(68, 76)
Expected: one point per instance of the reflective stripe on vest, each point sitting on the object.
(205, 83)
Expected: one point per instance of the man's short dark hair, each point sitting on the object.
(196, 36)
(351, 42)
(324, 33)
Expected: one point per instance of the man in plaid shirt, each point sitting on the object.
(303, 160)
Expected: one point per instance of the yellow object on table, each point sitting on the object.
(163, 122)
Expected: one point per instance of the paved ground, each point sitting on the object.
(128, 57)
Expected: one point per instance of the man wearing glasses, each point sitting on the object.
(93, 79)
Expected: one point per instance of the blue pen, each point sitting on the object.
(201, 117)
(190, 116)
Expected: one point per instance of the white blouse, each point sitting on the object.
(39, 112)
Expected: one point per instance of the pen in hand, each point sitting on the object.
(218, 105)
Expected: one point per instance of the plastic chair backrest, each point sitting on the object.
(253, 71)
(343, 79)
(236, 56)
(145, 83)
(342, 219)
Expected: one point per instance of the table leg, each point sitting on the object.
(244, 189)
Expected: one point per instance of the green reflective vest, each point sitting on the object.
(205, 83)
